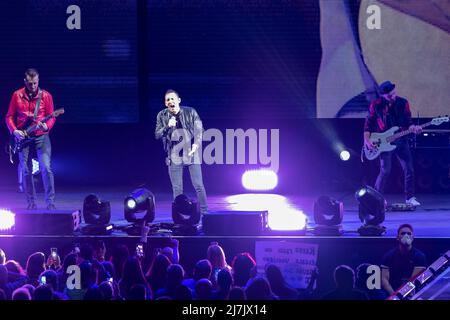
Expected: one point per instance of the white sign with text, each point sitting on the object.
(296, 260)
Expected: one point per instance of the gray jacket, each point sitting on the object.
(190, 121)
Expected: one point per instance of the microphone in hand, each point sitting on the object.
(172, 122)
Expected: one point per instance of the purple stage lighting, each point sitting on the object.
(344, 155)
(282, 215)
(260, 180)
(7, 220)
(286, 219)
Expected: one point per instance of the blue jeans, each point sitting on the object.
(195, 171)
(404, 156)
(43, 148)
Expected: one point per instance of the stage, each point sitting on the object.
(430, 220)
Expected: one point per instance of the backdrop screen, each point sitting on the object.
(91, 71)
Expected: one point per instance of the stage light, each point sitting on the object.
(328, 215)
(131, 204)
(344, 155)
(372, 209)
(287, 220)
(185, 211)
(96, 211)
(261, 180)
(97, 214)
(361, 192)
(140, 201)
(7, 220)
(282, 217)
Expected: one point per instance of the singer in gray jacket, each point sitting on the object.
(178, 127)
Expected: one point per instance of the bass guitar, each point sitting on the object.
(382, 141)
(16, 145)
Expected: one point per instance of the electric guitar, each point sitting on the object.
(382, 141)
(16, 145)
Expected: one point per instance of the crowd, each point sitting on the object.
(123, 277)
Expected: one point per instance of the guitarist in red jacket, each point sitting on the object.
(29, 106)
(385, 113)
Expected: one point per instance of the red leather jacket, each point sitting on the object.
(21, 108)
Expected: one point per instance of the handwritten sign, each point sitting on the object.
(295, 260)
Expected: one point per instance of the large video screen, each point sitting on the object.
(404, 41)
(231, 59)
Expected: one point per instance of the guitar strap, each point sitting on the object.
(37, 105)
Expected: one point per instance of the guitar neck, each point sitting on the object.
(406, 132)
(34, 127)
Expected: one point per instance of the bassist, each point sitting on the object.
(384, 113)
(29, 106)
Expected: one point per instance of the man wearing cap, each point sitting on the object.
(384, 113)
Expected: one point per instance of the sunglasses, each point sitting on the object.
(404, 232)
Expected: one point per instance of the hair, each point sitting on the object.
(203, 289)
(87, 252)
(35, 266)
(21, 294)
(107, 290)
(14, 266)
(202, 270)
(171, 91)
(259, 289)
(31, 72)
(118, 258)
(182, 293)
(405, 225)
(43, 292)
(30, 288)
(157, 274)
(237, 293)
(224, 279)
(175, 275)
(93, 294)
(109, 267)
(51, 278)
(168, 251)
(69, 260)
(2, 257)
(132, 272)
(132, 275)
(362, 275)
(242, 266)
(137, 292)
(275, 277)
(216, 256)
(99, 247)
(344, 277)
(87, 274)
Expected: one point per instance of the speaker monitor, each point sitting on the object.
(42, 222)
(235, 223)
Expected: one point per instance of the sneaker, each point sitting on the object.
(51, 206)
(413, 202)
(32, 206)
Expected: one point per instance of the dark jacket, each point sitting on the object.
(381, 117)
(190, 121)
